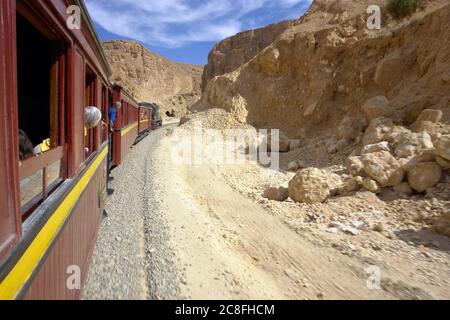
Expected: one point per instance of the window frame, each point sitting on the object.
(58, 110)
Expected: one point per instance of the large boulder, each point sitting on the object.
(430, 115)
(442, 147)
(377, 130)
(424, 176)
(276, 194)
(383, 168)
(310, 186)
(378, 107)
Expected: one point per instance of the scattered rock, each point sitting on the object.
(351, 230)
(404, 188)
(378, 107)
(377, 130)
(442, 147)
(442, 224)
(310, 185)
(430, 115)
(295, 144)
(355, 166)
(351, 184)
(424, 175)
(378, 227)
(424, 156)
(383, 168)
(276, 194)
(350, 128)
(381, 146)
(282, 141)
(444, 163)
(371, 185)
(410, 144)
(295, 165)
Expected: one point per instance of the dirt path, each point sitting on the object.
(199, 238)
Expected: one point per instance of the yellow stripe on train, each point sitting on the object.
(128, 129)
(22, 271)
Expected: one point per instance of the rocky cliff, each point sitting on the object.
(327, 64)
(231, 53)
(152, 78)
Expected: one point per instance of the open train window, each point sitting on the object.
(104, 128)
(89, 96)
(41, 95)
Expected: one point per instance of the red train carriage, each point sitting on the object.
(51, 203)
(126, 126)
(145, 119)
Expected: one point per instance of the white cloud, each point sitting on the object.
(174, 23)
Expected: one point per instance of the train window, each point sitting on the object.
(40, 91)
(90, 97)
(104, 128)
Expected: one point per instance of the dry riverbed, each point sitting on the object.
(199, 232)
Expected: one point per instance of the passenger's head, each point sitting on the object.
(118, 105)
(92, 117)
(25, 146)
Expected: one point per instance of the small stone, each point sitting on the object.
(378, 227)
(351, 230)
(404, 188)
(276, 194)
(358, 224)
(332, 230)
(293, 166)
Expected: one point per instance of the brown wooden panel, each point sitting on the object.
(75, 245)
(10, 220)
(76, 113)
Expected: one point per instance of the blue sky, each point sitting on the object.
(186, 30)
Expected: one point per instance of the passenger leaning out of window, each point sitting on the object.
(92, 118)
(112, 114)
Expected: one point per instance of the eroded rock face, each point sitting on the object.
(231, 53)
(149, 77)
(424, 175)
(310, 186)
(383, 168)
(326, 66)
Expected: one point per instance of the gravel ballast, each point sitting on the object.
(132, 258)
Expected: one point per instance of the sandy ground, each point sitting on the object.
(200, 232)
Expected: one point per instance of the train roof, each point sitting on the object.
(93, 34)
